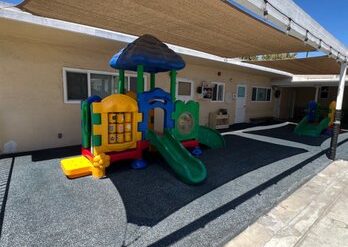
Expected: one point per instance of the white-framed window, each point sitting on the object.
(184, 89)
(261, 94)
(218, 92)
(79, 84)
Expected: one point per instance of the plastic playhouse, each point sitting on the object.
(312, 124)
(120, 126)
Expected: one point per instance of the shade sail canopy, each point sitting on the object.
(304, 66)
(210, 26)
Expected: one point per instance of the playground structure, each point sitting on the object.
(313, 124)
(120, 126)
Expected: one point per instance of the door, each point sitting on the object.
(240, 104)
(277, 102)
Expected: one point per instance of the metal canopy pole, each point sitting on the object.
(337, 122)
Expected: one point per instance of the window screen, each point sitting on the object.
(133, 84)
(261, 94)
(82, 84)
(220, 96)
(268, 98)
(184, 88)
(77, 86)
(215, 88)
(218, 92)
(253, 97)
(102, 85)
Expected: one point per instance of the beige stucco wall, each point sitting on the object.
(231, 78)
(32, 110)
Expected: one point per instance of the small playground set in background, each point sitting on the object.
(315, 122)
(120, 126)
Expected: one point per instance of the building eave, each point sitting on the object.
(18, 15)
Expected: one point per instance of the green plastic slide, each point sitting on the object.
(188, 168)
(311, 129)
(210, 137)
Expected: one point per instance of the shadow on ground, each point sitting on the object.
(154, 193)
(287, 133)
(55, 153)
(241, 126)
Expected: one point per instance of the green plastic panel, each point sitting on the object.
(188, 168)
(97, 140)
(183, 112)
(96, 119)
(305, 128)
(85, 124)
(210, 137)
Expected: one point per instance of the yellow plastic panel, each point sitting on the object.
(122, 110)
(75, 167)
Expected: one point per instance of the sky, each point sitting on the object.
(12, 1)
(331, 14)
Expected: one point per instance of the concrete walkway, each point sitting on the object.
(315, 215)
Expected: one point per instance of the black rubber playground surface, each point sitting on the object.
(287, 133)
(151, 207)
(154, 193)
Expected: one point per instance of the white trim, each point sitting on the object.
(309, 81)
(90, 71)
(184, 97)
(89, 84)
(223, 95)
(261, 101)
